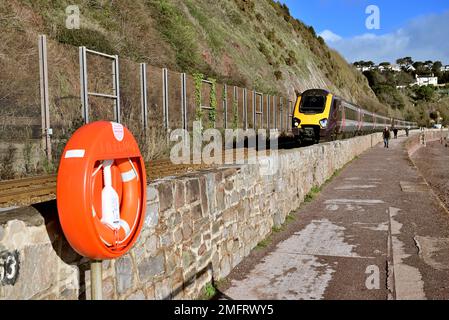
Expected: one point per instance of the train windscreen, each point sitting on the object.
(313, 104)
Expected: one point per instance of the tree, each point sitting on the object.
(406, 61)
(404, 79)
(385, 64)
(444, 77)
(424, 93)
(436, 67)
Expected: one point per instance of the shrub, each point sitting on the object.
(7, 171)
(390, 95)
(91, 39)
(245, 5)
(264, 50)
(270, 35)
(425, 93)
(278, 74)
(234, 17)
(291, 59)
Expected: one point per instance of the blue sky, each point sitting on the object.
(417, 28)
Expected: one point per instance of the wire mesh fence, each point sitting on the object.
(150, 104)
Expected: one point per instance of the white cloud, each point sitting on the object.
(424, 38)
(329, 36)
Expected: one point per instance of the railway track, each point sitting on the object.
(43, 188)
(12, 192)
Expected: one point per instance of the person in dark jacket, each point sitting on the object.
(386, 136)
(395, 131)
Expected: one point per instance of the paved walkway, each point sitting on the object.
(375, 232)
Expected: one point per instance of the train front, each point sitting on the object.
(311, 115)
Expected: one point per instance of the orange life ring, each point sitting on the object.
(101, 190)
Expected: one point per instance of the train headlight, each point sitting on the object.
(323, 123)
(296, 123)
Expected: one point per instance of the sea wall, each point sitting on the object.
(198, 227)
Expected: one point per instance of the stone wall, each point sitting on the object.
(415, 142)
(197, 227)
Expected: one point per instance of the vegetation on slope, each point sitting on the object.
(244, 42)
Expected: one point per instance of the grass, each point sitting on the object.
(274, 230)
(264, 243)
(209, 291)
(178, 31)
(7, 163)
(312, 194)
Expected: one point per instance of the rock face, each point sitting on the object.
(197, 227)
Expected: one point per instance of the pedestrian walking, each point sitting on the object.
(395, 131)
(407, 130)
(386, 136)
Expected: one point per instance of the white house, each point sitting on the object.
(445, 68)
(363, 69)
(395, 68)
(426, 81)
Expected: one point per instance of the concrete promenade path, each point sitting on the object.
(376, 231)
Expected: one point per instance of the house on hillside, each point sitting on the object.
(393, 68)
(426, 80)
(444, 68)
(364, 68)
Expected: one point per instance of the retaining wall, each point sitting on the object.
(415, 142)
(197, 227)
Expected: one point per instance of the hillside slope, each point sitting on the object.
(250, 43)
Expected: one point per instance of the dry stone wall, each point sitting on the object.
(198, 227)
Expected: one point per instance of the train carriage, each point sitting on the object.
(320, 115)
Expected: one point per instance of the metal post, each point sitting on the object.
(254, 109)
(245, 107)
(225, 105)
(144, 98)
(261, 110)
(275, 113)
(165, 96)
(281, 110)
(236, 101)
(268, 112)
(290, 115)
(45, 105)
(184, 100)
(96, 280)
(116, 89)
(83, 83)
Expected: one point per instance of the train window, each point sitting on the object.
(368, 117)
(313, 104)
(351, 114)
